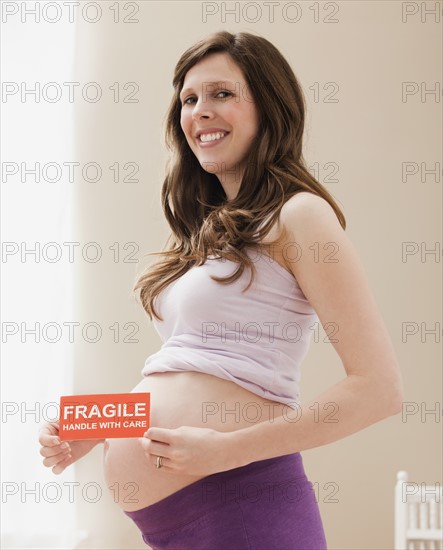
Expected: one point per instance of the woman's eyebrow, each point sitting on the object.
(216, 82)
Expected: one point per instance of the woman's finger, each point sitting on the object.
(48, 435)
(56, 459)
(158, 449)
(166, 463)
(61, 466)
(57, 449)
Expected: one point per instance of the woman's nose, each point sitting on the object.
(202, 109)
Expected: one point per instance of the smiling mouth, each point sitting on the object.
(209, 138)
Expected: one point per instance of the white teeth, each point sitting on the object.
(212, 137)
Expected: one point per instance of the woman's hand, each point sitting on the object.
(59, 455)
(188, 451)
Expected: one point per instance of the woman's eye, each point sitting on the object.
(224, 92)
(190, 99)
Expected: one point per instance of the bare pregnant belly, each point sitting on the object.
(178, 399)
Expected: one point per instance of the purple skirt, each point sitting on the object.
(265, 505)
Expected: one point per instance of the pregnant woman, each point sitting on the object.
(257, 255)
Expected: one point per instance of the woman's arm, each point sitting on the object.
(333, 280)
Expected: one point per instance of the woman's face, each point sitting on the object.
(219, 118)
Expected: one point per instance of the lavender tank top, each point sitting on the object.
(257, 339)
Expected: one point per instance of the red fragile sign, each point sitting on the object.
(104, 416)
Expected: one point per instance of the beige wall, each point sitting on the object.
(368, 52)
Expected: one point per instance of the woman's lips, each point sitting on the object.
(213, 143)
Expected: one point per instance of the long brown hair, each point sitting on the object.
(202, 221)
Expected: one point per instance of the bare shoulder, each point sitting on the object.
(306, 207)
(308, 222)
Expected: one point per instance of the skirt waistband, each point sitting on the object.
(254, 481)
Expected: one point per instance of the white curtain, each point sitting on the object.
(38, 508)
